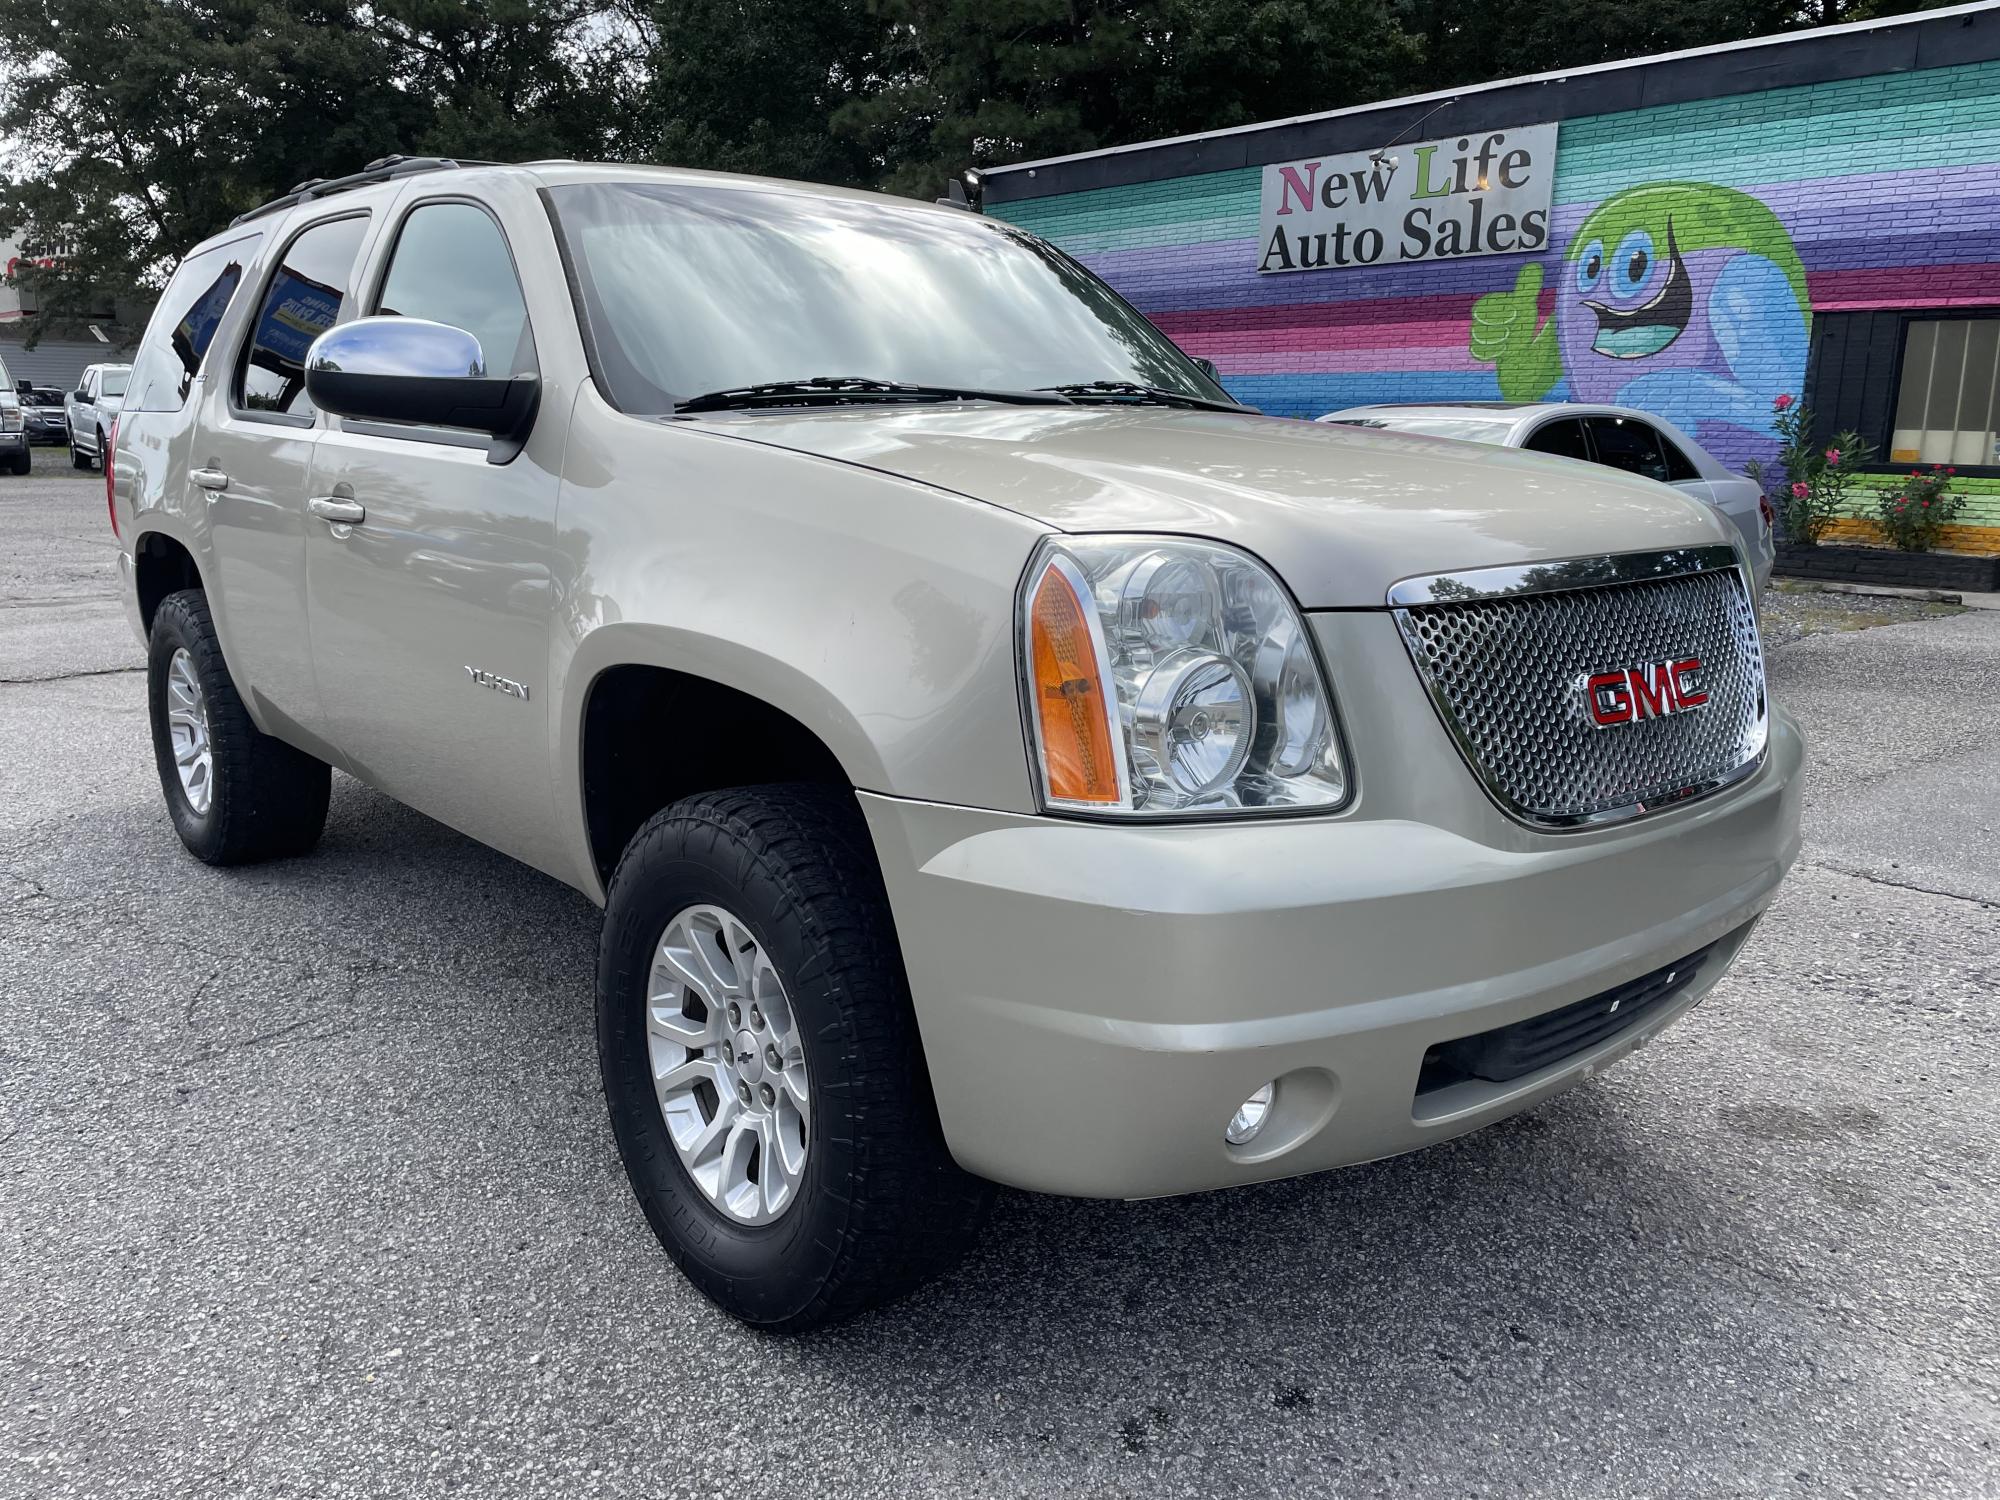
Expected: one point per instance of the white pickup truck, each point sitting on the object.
(91, 409)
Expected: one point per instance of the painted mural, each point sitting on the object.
(1740, 213)
(1684, 299)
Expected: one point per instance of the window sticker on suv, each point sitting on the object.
(301, 301)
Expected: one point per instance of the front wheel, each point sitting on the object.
(761, 1062)
(77, 458)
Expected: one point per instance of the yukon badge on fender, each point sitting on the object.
(498, 683)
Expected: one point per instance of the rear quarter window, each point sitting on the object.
(184, 322)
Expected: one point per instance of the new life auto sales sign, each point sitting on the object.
(1482, 194)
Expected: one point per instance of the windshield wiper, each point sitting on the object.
(1139, 395)
(824, 390)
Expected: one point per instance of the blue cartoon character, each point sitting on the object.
(1680, 298)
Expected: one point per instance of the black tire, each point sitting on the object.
(881, 1207)
(22, 462)
(268, 799)
(77, 458)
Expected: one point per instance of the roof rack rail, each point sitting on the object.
(382, 169)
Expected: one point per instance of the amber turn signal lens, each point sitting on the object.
(1072, 708)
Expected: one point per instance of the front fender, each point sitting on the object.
(875, 610)
(731, 663)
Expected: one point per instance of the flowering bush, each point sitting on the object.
(1919, 508)
(1811, 487)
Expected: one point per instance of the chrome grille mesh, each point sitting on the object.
(1507, 674)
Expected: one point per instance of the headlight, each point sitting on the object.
(1167, 678)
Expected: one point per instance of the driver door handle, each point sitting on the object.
(337, 509)
(209, 479)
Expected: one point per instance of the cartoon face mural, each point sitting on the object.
(1683, 299)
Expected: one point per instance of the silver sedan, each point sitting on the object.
(1620, 437)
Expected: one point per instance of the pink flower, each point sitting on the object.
(1951, 471)
(1927, 505)
(1833, 455)
(1783, 403)
(1799, 490)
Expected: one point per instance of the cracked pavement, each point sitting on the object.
(306, 1187)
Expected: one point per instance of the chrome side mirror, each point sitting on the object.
(418, 373)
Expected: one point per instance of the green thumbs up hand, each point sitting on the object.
(1505, 335)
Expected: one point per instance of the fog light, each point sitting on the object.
(1249, 1118)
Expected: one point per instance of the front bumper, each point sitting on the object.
(1095, 1001)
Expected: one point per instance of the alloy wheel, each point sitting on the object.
(728, 1064)
(187, 727)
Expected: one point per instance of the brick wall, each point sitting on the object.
(1872, 193)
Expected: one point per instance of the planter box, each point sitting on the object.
(1924, 570)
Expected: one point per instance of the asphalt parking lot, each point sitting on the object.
(306, 1188)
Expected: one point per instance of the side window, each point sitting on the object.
(300, 303)
(1679, 465)
(182, 327)
(451, 265)
(1632, 446)
(1563, 437)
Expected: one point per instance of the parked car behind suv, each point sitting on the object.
(1000, 756)
(90, 411)
(42, 411)
(14, 456)
(1619, 437)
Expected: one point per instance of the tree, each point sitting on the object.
(976, 81)
(750, 85)
(139, 129)
(1465, 44)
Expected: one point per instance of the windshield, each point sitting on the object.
(689, 290)
(114, 382)
(1468, 429)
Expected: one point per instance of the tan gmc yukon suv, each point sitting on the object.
(1000, 756)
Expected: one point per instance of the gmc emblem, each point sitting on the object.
(1650, 692)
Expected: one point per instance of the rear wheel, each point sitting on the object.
(234, 793)
(761, 1061)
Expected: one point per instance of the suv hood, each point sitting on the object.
(1340, 512)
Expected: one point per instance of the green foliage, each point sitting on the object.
(1920, 508)
(972, 82)
(1814, 480)
(1472, 43)
(751, 86)
(137, 129)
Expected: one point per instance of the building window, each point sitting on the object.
(1948, 408)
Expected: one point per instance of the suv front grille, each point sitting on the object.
(1508, 655)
